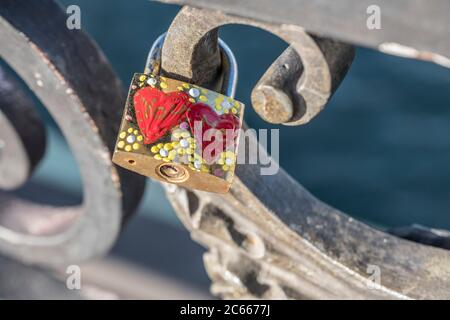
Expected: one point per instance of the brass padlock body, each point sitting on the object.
(158, 137)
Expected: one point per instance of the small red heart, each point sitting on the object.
(227, 124)
(157, 112)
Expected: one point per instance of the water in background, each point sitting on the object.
(379, 151)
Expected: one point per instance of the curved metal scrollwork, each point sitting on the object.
(292, 91)
(73, 80)
(22, 134)
(269, 237)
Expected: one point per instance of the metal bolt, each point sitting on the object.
(272, 104)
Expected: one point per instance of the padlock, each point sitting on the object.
(178, 132)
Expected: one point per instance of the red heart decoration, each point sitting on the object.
(157, 112)
(202, 114)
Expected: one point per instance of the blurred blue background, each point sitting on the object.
(379, 151)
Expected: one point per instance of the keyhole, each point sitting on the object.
(172, 172)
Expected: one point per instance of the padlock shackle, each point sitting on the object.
(229, 64)
(231, 76)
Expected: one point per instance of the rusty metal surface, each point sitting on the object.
(73, 80)
(324, 62)
(418, 24)
(284, 93)
(269, 237)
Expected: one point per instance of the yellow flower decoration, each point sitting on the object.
(197, 163)
(225, 104)
(129, 140)
(227, 160)
(164, 151)
(195, 93)
(184, 143)
(181, 149)
(141, 79)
